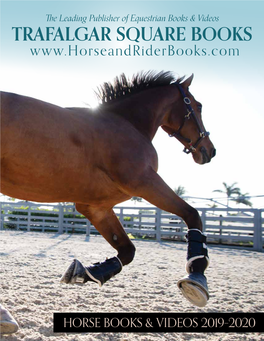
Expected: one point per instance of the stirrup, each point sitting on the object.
(194, 288)
(8, 325)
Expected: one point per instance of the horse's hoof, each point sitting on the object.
(194, 288)
(75, 274)
(8, 324)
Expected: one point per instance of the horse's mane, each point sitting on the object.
(122, 86)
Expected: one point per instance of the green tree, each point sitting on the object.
(136, 199)
(229, 191)
(180, 191)
(243, 199)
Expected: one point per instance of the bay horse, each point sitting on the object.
(100, 157)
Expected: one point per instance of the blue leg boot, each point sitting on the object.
(194, 285)
(98, 272)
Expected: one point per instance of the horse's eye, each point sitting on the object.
(200, 108)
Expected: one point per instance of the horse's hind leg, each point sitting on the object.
(107, 223)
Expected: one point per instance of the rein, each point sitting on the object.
(190, 113)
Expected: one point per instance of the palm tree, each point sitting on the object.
(229, 191)
(243, 199)
(180, 191)
(136, 199)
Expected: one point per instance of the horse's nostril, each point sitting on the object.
(213, 152)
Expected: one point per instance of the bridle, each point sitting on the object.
(190, 113)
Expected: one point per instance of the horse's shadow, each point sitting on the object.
(43, 253)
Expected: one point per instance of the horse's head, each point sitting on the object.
(184, 122)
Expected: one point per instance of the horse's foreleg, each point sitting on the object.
(107, 223)
(152, 188)
(157, 192)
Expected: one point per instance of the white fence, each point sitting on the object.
(243, 227)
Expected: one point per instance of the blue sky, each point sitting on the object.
(230, 87)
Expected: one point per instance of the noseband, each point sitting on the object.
(190, 113)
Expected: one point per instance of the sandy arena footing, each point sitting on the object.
(30, 288)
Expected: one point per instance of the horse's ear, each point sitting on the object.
(187, 81)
